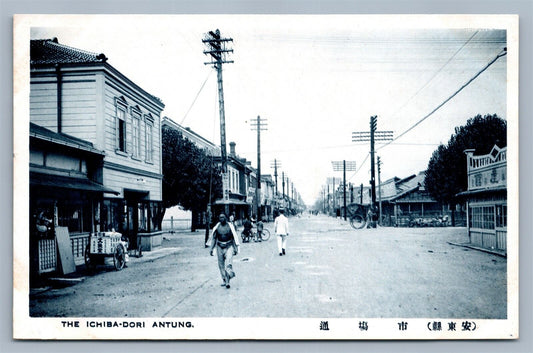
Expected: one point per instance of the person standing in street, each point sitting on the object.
(281, 227)
(226, 241)
(232, 220)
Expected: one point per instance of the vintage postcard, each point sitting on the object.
(224, 177)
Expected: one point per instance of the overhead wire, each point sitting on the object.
(435, 74)
(196, 97)
(501, 54)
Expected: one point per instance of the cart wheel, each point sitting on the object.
(357, 222)
(89, 262)
(119, 258)
(265, 234)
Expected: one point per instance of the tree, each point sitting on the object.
(189, 174)
(446, 174)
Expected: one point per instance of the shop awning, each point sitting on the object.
(64, 182)
(501, 189)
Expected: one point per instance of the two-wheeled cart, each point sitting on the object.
(358, 215)
(104, 245)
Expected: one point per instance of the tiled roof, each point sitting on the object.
(49, 51)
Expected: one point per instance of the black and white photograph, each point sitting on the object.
(266, 177)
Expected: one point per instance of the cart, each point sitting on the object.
(357, 214)
(103, 245)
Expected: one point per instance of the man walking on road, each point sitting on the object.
(281, 227)
(225, 239)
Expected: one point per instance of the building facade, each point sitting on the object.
(65, 191)
(486, 199)
(406, 202)
(238, 187)
(268, 198)
(78, 93)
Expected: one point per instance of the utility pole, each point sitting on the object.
(379, 189)
(283, 184)
(216, 48)
(328, 210)
(276, 164)
(372, 136)
(373, 126)
(334, 197)
(288, 194)
(259, 125)
(324, 200)
(337, 166)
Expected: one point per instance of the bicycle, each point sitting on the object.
(262, 235)
(265, 234)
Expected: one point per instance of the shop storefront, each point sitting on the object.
(487, 199)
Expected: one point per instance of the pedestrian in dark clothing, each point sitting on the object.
(226, 241)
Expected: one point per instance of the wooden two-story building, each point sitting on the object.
(486, 199)
(77, 93)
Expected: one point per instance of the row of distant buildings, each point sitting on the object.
(240, 197)
(482, 208)
(401, 201)
(95, 158)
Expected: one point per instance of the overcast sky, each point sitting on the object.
(315, 79)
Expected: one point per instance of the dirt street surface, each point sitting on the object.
(330, 270)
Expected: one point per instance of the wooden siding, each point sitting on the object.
(78, 105)
(79, 108)
(501, 239)
(43, 104)
(118, 180)
(111, 94)
(489, 239)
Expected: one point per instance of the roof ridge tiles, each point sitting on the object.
(41, 49)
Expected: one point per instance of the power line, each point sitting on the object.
(195, 98)
(435, 74)
(501, 54)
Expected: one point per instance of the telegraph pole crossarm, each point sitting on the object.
(344, 166)
(372, 136)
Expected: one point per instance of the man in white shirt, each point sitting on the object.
(281, 227)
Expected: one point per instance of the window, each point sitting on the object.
(121, 128)
(149, 141)
(482, 217)
(501, 216)
(76, 216)
(136, 133)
